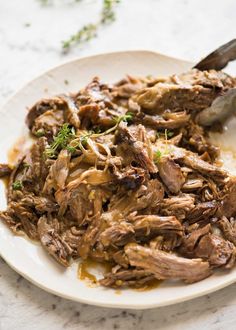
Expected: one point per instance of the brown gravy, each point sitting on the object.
(15, 151)
(153, 284)
(5, 180)
(87, 266)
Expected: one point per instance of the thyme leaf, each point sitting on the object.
(89, 31)
(81, 141)
(85, 34)
(61, 140)
(157, 156)
(17, 185)
(127, 118)
(108, 13)
(40, 132)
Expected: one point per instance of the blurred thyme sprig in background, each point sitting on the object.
(90, 30)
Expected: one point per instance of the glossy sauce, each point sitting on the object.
(5, 180)
(153, 284)
(84, 273)
(15, 151)
(86, 268)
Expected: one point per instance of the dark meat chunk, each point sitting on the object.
(167, 242)
(11, 221)
(38, 168)
(228, 228)
(48, 124)
(71, 112)
(130, 177)
(145, 225)
(58, 173)
(147, 198)
(202, 244)
(28, 219)
(96, 106)
(72, 237)
(202, 211)
(53, 242)
(192, 160)
(212, 79)
(191, 240)
(5, 170)
(46, 116)
(162, 96)
(39, 203)
(127, 87)
(120, 258)
(192, 183)
(124, 278)
(171, 174)
(168, 120)
(228, 204)
(117, 235)
(133, 150)
(178, 206)
(165, 265)
(30, 171)
(192, 91)
(216, 250)
(195, 139)
(90, 237)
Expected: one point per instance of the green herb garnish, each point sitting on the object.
(61, 140)
(40, 132)
(126, 118)
(26, 165)
(90, 30)
(157, 156)
(17, 185)
(170, 134)
(71, 149)
(108, 13)
(85, 34)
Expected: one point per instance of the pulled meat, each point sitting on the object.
(5, 170)
(124, 174)
(164, 265)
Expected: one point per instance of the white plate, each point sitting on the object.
(29, 259)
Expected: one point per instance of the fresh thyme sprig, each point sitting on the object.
(108, 13)
(85, 34)
(127, 117)
(81, 141)
(157, 156)
(67, 139)
(90, 30)
(61, 140)
(17, 185)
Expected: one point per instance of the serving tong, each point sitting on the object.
(224, 105)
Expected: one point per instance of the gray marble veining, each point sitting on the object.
(30, 42)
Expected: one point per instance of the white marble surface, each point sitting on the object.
(183, 28)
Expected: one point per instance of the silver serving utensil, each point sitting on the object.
(224, 105)
(219, 58)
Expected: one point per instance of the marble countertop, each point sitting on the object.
(30, 42)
